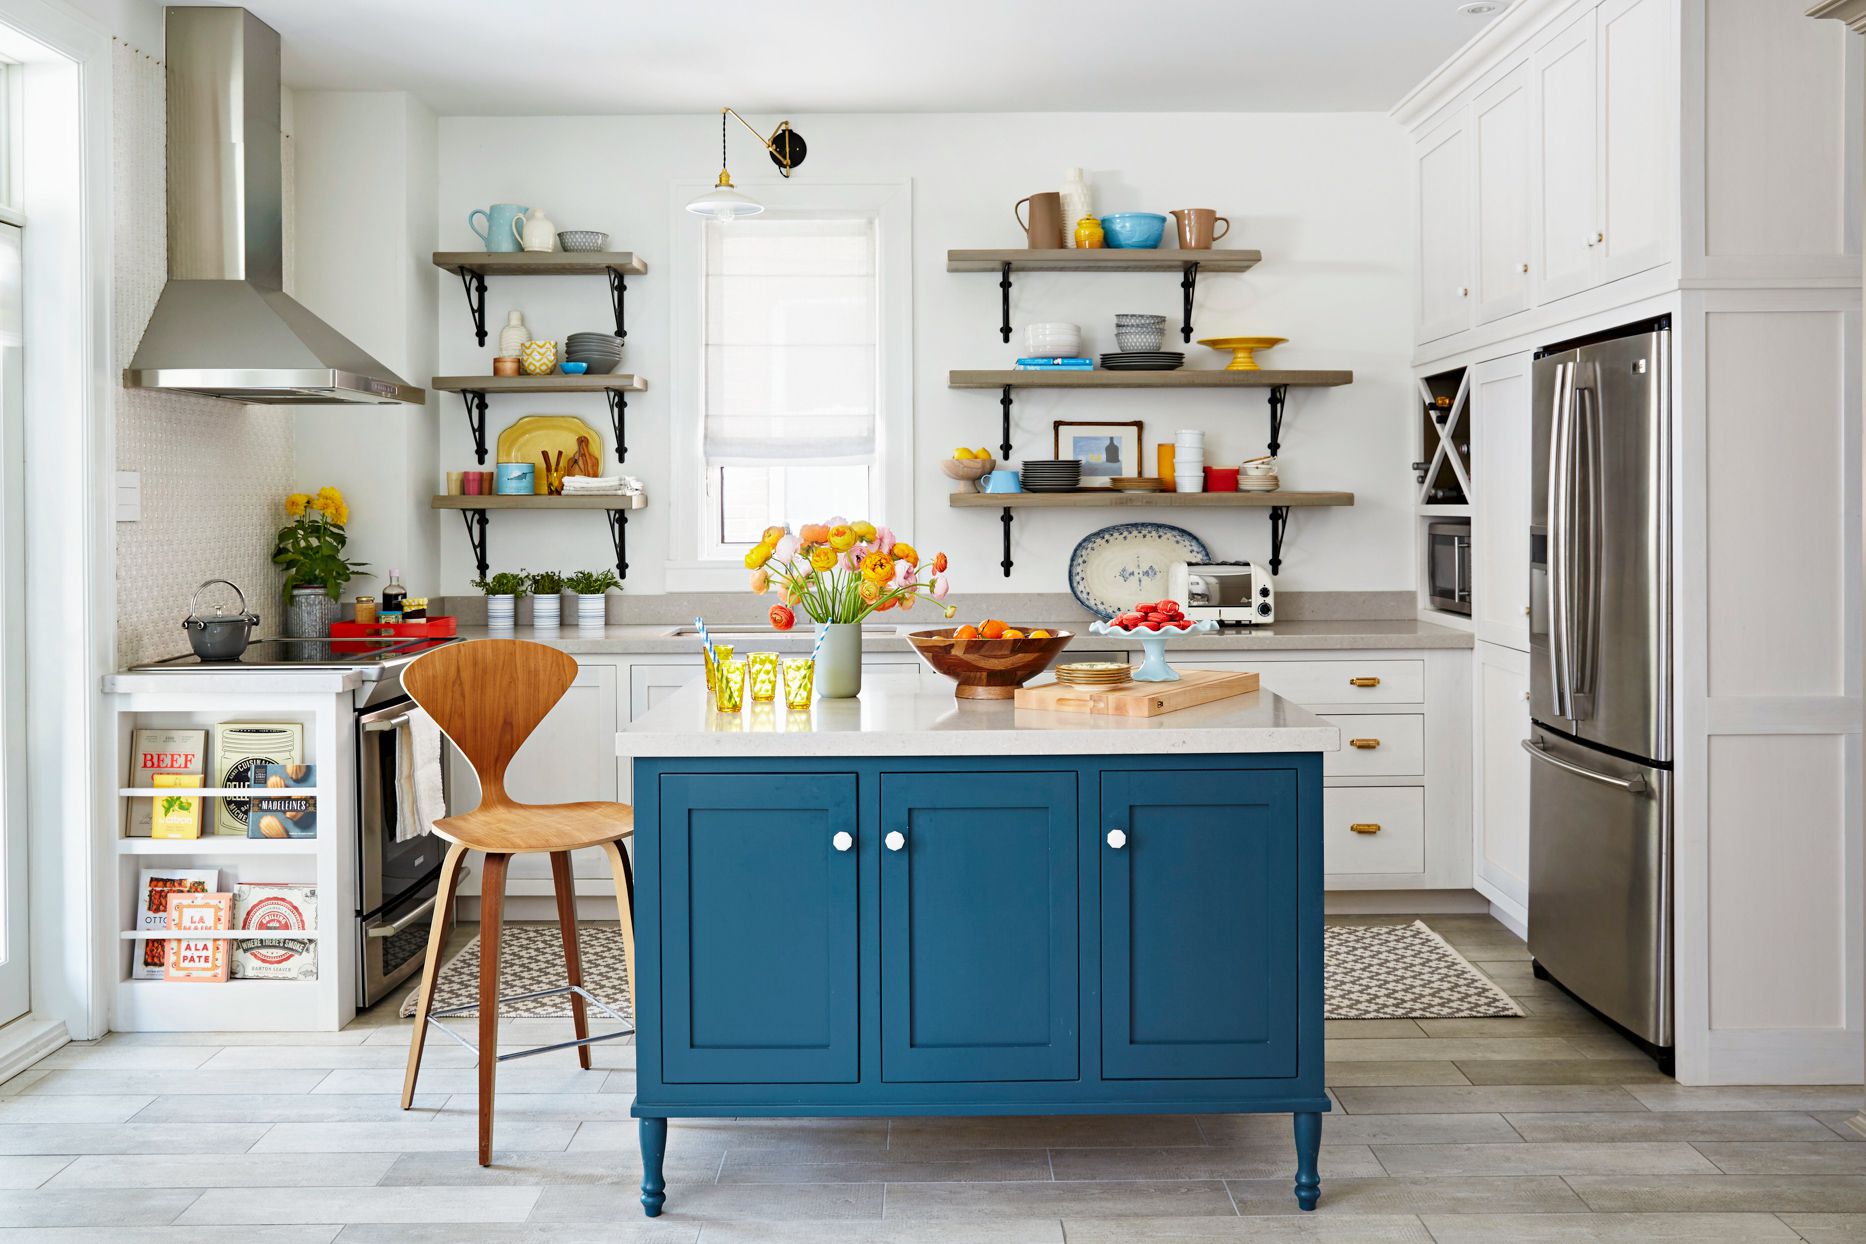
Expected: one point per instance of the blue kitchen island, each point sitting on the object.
(907, 904)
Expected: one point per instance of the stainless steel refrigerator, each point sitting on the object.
(1600, 791)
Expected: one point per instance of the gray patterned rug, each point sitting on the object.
(1384, 971)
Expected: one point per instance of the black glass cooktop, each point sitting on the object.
(284, 653)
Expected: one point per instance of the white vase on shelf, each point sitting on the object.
(1077, 203)
(514, 335)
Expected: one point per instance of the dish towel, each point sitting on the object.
(603, 485)
(420, 795)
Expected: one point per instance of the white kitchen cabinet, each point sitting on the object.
(648, 685)
(1500, 778)
(1502, 134)
(1633, 39)
(1500, 418)
(1443, 174)
(1567, 198)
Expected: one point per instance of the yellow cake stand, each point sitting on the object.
(1243, 349)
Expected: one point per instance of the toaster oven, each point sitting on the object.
(1229, 593)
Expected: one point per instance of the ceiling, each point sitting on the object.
(569, 57)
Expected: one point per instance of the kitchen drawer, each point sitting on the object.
(1398, 846)
(1399, 750)
(1334, 682)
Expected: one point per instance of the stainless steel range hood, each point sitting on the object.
(224, 326)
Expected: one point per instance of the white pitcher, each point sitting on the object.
(536, 233)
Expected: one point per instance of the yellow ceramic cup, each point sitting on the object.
(729, 686)
(764, 672)
(799, 674)
(538, 358)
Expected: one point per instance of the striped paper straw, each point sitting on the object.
(818, 646)
(706, 641)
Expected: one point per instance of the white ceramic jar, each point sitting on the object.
(514, 335)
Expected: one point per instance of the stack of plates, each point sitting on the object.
(1052, 474)
(1139, 483)
(1257, 483)
(602, 351)
(1143, 360)
(1093, 673)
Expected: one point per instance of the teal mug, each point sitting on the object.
(500, 233)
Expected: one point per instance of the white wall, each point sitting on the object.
(1322, 196)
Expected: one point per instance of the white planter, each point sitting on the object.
(592, 611)
(547, 611)
(501, 612)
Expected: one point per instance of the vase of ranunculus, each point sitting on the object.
(839, 572)
(310, 551)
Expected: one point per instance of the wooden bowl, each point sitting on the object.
(967, 470)
(987, 669)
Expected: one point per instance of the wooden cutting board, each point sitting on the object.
(1140, 699)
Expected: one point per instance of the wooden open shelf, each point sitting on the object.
(535, 502)
(1206, 378)
(1106, 497)
(557, 383)
(1105, 260)
(541, 263)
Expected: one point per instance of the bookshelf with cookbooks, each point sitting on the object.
(232, 849)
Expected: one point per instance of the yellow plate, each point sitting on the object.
(534, 435)
(1243, 349)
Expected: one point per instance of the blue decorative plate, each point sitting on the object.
(1117, 566)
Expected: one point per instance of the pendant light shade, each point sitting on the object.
(723, 202)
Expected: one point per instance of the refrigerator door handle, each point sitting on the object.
(1632, 785)
(1558, 551)
(1588, 506)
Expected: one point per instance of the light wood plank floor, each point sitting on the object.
(1549, 1128)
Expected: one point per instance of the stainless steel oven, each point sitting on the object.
(1448, 564)
(396, 881)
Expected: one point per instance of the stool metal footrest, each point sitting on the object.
(435, 1016)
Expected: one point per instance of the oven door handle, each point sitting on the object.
(425, 909)
(385, 723)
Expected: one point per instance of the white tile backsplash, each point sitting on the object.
(214, 474)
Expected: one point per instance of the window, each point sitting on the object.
(796, 369)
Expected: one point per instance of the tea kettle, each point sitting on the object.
(219, 636)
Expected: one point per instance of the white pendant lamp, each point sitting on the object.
(723, 201)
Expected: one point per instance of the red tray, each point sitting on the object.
(426, 628)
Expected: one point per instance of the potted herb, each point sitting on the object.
(591, 586)
(502, 593)
(547, 599)
(310, 550)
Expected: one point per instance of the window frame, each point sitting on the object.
(688, 569)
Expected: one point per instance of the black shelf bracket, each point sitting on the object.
(618, 536)
(618, 419)
(475, 521)
(475, 402)
(1187, 284)
(1279, 523)
(1004, 446)
(1004, 516)
(1279, 393)
(618, 292)
(1004, 287)
(474, 283)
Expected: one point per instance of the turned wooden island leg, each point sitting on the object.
(1308, 1155)
(653, 1151)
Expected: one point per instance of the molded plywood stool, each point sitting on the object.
(488, 696)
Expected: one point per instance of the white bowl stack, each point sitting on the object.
(1189, 461)
(1054, 339)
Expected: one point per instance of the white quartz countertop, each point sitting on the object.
(898, 717)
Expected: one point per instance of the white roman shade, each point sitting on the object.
(791, 337)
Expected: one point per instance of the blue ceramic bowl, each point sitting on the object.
(1133, 231)
(573, 369)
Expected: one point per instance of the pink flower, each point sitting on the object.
(785, 548)
(884, 537)
(761, 581)
(940, 587)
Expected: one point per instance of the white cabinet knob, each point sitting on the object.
(843, 840)
(895, 840)
(1117, 838)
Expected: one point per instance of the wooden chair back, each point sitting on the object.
(488, 695)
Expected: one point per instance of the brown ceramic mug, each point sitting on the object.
(1044, 230)
(1195, 228)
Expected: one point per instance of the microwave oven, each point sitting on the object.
(1229, 593)
(1448, 564)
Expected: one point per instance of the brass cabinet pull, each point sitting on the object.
(1365, 827)
(1363, 682)
(1366, 745)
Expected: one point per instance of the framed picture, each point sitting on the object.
(1105, 449)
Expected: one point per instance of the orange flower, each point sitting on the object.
(878, 566)
(813, 533)
(906, 553)
(761, 581)
(939, 563)
(822, 557)
(868, 590)
(842, 539)
(771, 535)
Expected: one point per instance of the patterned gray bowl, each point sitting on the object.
(583, 240)
(1139, 340)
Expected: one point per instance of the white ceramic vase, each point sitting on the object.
(1077, 203)
(838, 673)
(514, 335)
(547, 611)
(501, 612)
(592, 611)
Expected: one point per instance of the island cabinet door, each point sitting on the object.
(759, 926)
(1198, 924)
(979, 942)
